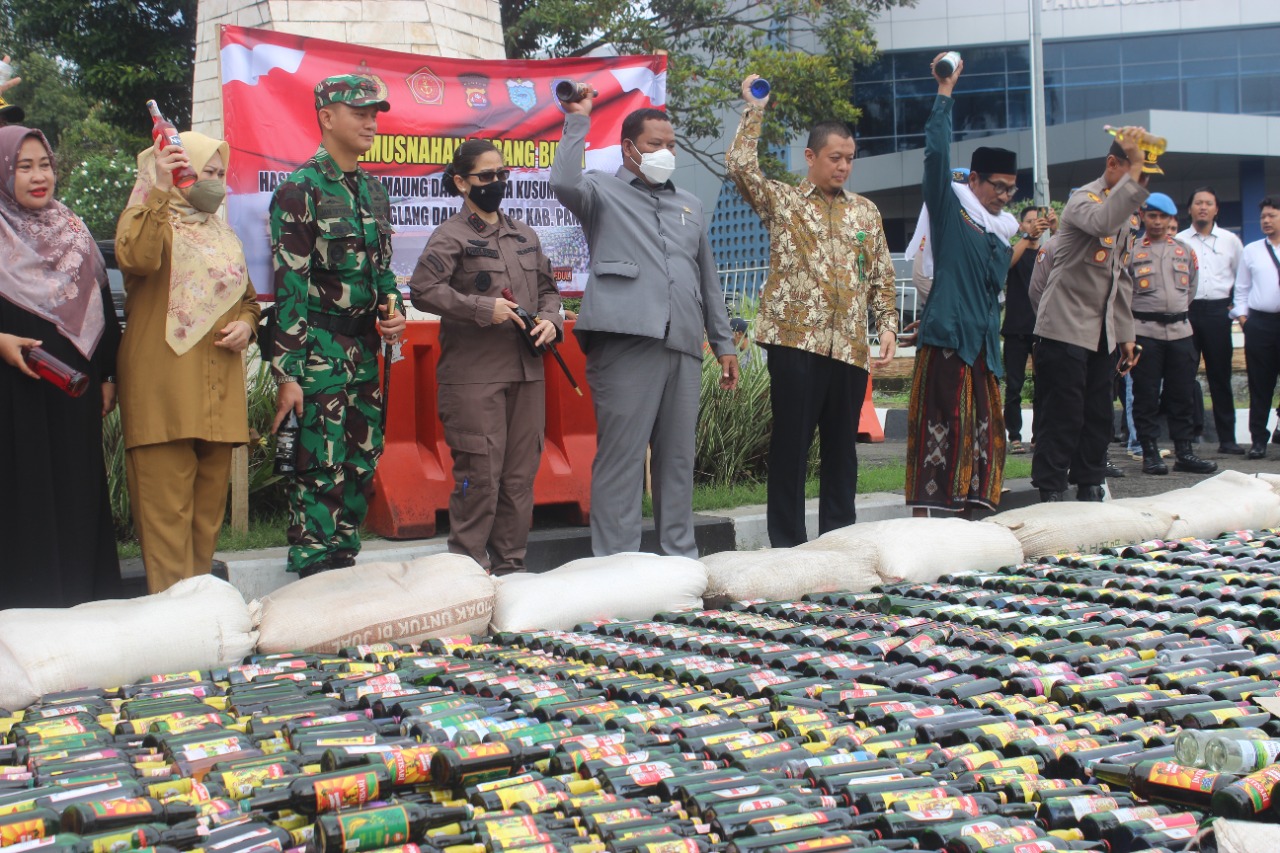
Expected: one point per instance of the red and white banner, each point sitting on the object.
(436, 104)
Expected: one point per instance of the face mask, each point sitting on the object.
(657, 166)
(206, 196)
(488, 197)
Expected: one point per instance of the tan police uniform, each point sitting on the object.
(1082, 317)
(491, 395)
(1164, 274)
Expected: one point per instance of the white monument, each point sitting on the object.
(466, 29)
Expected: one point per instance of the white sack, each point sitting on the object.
(1228, 501)
(1083, 527)
(919, 550)
(198, 623)
(622, 586)
(786, 574)
(395, 602)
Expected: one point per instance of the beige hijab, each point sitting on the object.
(207, 270)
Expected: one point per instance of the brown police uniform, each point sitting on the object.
(1164, 274)
(491, 397)
(1082, 316)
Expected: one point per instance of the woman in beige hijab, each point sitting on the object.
(190, 311)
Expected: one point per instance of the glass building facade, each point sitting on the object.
(1210, 71)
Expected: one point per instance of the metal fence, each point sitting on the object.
(742, 287)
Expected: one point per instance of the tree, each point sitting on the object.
(808, 49)
(121, 52)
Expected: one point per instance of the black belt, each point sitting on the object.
(1155, 317)
(343, 324)
(1211, 303)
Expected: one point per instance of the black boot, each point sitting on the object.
(1089, 493)
(1051, 496)
(1185, 460)
(1151, 461)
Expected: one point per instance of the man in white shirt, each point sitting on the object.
(1218, 252)
(1257, 305)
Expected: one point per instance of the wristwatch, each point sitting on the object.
(286, 379)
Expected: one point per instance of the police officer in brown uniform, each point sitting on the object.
(1082, 320)
(492, 398)
(1164, 272)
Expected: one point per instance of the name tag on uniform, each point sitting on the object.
(478, 251)
(334, 208)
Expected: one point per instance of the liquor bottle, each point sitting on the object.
(461, 766)
(1249, 798)
(82, 818)
(1165, 781)
(287, 445)
(30, 825)
(1231, 754)
(324, 792)
(1149, 141)
(59, 373)
(163, 129)
(570, 91)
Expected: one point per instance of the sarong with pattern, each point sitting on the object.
(955, 433)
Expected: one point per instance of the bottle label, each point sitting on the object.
(1173, 821)
(33, 844)
(1135, 813)
(821, 843)
(1258, 754)
(760, 804)
(119, 808)
(786, 822)
(484, 750)
(1258, 787)
(23, 830)
(130, 839)
(353, 790)
(996, 836)
(1185, 778)
(1081, 806)
(1040, 845)
(374, 828)
(1224, 714)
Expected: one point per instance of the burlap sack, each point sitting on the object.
(1081, 526)
(198, 623)
(785, 574)
(921, 549)
(1228, 501)
(436, 596)
(623, 586)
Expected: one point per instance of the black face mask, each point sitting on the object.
(488, 197)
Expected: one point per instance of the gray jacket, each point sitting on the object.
(652, 271)
(1089, 290)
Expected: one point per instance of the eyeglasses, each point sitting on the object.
(1006, 190)
(488, 176)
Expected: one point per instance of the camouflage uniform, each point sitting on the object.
(331, 253)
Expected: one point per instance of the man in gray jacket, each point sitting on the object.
(1082, 318)
(652, 291)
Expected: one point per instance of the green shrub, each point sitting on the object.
(98, 190)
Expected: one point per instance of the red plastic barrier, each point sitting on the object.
(414, 476)
(870, 430)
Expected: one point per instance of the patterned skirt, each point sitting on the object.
(955, 433)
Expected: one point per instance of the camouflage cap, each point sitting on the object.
(11, 113)
(350, 89)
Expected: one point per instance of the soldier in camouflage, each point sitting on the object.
(331, 253)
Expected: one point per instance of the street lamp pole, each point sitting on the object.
(1039, 150)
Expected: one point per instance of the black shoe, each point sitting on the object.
(315, 569)
(342, 560)
(1113, 471)
(1051, 496)
(1186, 460)
(1258, 450)
(219, 570)
(1151, 461)
(1089, 493)
(1230, 448)
(1275, 436)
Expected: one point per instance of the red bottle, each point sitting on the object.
(162, 128)
(58, 372)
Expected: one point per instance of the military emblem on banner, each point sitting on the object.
(363, 70)
(426, 88)
(521, 93)
(475, 89)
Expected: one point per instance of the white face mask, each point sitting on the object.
(657, 166)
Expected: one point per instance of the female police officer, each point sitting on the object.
(491, 397)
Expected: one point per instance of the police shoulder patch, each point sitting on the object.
(434, 262)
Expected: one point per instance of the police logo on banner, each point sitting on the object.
(521, 93)
(475, 89)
